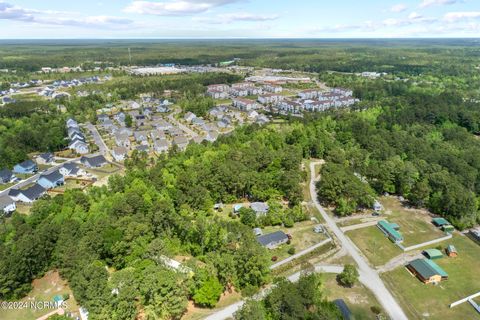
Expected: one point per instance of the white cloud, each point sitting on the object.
(457, 16)
(398, 8)
(237, 16)
(175, 7)
(49, 17)
(429, 3)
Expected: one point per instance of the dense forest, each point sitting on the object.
(414, 134)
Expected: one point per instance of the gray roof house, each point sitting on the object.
(181, 142)
(260, 208)
(119, 153)
(6, 176)
(45, 158)
(93, 162)
(273, 240)
(7, 204)
(160, 145)
(28, 195)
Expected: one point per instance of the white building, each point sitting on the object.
(245, 104)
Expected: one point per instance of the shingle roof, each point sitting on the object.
(259, 206)
(27, 164)
(94, 161)
(5, 201)
(276, 236)
(31, 193)
(5, 175)
(53, 176)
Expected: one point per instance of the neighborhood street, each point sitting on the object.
(97, 138)
(185, 129)
(368, 276)
(299, 254)
(35, 177)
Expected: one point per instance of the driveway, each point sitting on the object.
(97, 138)
(368, 276)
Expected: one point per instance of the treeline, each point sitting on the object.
(27, 127)
(109, 243)
(302, 300)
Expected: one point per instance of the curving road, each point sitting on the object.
(228, 312)
(368, 276)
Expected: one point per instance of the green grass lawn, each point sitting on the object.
(358, 299)
(5, 186)
(415, 225)
(374, 245)
(44, 289)
(422, 301)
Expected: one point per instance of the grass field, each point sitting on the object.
(44, 289)
(415, 225)
(374, 245)
(422, 301)
(358, 299)
(302, 238)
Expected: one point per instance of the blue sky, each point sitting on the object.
(34, 19)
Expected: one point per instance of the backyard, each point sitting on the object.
(421, 301)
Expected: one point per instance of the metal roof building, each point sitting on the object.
(427, 271)
(273, 240)
(390, 230)
(433, 254)
(440, 222)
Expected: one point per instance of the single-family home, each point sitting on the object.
(140, 136)
(79, 146)
(122, 140)
(51, 180)
(27, 166)
(93, 162)
(45, 158)
(273, 240)
(212, 136)
(260, 208)
(28, 195)
(71, 170)
(189, 116)
(7, 204)
(119, 153)
(181, 142)
(160, 145)
(6, 176)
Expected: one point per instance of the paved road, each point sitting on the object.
(102, 147)
(368, 276)
(299, 254)
(35, 177)
(228, 312)
(186, 129)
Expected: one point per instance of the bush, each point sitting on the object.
(291, 251)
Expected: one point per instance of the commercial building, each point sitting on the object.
(427, 271)
(390, 230)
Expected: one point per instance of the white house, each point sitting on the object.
(270, 98)
(119, 153)
(7, 204)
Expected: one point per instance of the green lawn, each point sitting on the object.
(44, 289)
(421, 301)
(358, 299)
(374, 245)
(5, 186)
(415, 225)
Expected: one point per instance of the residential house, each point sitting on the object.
(242, 85)
(79, 146)
(7, 204)
(239, 92)
(142, 148)
(122, 140)
(160, 145)
(273, 240)
(260, 208)
(189, 116)
(212, 136)
(181, 142)
(6, 176)
(27, 166)
(28, 195)
(309, 94)
(290, 106)
(198, 121)
(45, 158)
(119, 153)
(71, 170)
(93, 162)
(51, 180)
(254, 91)
(140, 136)
(245, 104)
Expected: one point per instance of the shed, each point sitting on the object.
(452, 251)
(433, 254)
(440, 222)
(448, 228)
